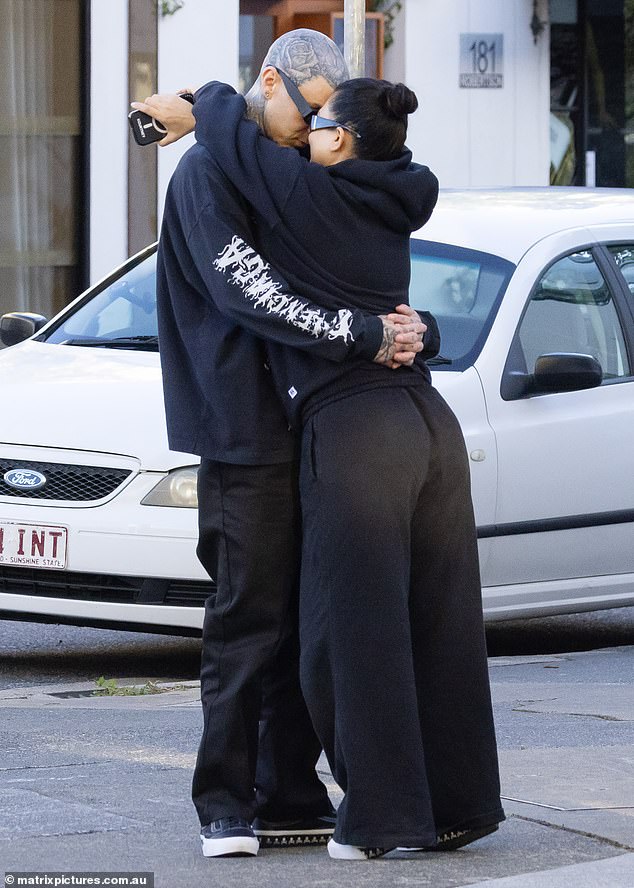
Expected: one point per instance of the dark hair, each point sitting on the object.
(377, 111)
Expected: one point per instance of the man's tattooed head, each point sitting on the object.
(304, 54)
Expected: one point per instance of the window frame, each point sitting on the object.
(625, 313)
(611, 270)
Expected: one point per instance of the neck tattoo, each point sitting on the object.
(255, 108)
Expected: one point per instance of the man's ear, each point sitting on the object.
(268, 79)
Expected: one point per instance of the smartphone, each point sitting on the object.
(146, 129)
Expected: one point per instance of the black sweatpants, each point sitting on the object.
(393, 657)
(258, 750)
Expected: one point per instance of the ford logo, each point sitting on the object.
(24, 479)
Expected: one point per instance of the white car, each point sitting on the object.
(533, 290)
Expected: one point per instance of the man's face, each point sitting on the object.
(282, 121)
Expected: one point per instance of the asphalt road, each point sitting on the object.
(33, 653)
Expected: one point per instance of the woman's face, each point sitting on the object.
(330, 146)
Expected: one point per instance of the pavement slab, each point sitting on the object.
(615, 872)
(29, 813)
(103, 784)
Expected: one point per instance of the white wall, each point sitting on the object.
(394, 58)
(478, 137)
(108, 136)
(197, 44)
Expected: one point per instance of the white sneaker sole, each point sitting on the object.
(232, 846)
(351, 852)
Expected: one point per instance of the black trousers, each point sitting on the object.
(258, 750)
(393, 665)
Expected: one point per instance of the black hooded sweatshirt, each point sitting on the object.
(220, 399)
(339, 235)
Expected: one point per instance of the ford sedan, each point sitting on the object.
(533, 290)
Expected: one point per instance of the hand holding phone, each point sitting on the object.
(147, 129)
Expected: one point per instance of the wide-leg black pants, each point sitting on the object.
(249, 542)
(393, 657)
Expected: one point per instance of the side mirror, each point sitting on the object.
(553, 373)
(16, 326)
(566, 373)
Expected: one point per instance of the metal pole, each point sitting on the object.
(354, 36)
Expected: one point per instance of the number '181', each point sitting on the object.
(482, 54)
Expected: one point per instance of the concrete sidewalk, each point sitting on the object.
(101, 784)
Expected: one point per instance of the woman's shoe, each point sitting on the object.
(457, 838)
(351, 852)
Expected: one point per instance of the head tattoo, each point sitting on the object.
(304, 54)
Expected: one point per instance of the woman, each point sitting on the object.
(393, 655)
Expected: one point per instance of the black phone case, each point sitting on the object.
(145, 129)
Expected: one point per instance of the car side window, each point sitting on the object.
(624, 258)
(572, 311)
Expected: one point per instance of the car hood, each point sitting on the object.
(90, 399)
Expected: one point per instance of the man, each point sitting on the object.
(221, 404)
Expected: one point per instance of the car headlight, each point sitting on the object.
(177, 490)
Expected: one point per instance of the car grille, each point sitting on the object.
(103, 587)
(64, 481)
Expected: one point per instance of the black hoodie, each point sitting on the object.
(220, 398)
(339, 235)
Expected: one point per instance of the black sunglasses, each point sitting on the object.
(299, 101)
(318, 123)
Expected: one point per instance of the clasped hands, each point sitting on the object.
(403, 332)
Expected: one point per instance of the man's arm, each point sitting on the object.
(397, 338)
(173, 112)
(262, 171)
(244, 287)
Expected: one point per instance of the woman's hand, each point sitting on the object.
(173, 112)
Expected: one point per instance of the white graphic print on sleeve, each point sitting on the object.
(247, 269)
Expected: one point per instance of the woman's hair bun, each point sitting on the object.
(399, 100)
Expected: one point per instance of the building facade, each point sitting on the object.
(511, 92)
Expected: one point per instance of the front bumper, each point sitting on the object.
(126, 563)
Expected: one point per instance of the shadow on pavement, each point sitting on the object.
(562, 634)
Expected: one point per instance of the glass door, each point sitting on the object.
(41, 163)
(592, 92)
(605, 70)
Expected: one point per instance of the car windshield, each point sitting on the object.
(121, 315)
(462, 289)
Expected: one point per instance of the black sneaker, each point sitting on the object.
(229, 837)
(283, 834)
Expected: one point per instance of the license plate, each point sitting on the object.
(33, 545)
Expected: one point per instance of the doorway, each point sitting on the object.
(592, 92)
